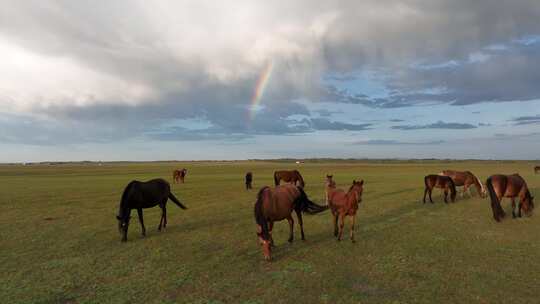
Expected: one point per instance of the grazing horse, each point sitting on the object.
(329, 183)
(294, 177)
(179, 175)
(439, 181)
(511, 186)
(249, 179)
(277, 204)
(465, 179)
(343, 204)
(141, 195)
(536, 169)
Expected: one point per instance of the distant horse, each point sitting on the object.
(249, 179)
(329, 183)
(294, 177)
(465, 179)
(536, 169)
(439, 181)
(141, 195)
(511, 186)
(343, 204)
(277, 204)
(179, 175)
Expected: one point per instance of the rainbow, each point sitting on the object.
(262, 82)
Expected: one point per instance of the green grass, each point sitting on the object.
(59, 241)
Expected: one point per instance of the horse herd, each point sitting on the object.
(277, 203)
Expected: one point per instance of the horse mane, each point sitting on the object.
(452, 188)
(125, 195)
(299, 176)
(259, 215)
(477, 181)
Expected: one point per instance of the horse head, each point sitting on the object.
(527, 204)
(357, 187)
(265, 243)
(123, 223)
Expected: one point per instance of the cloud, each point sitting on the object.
(437, 125)
(526, 120)
(130, 68)
(384, 142)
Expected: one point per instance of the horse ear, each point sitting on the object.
(354, 181)
(118, 217)
(361, 182)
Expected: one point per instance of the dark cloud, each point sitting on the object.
(437, 125)
(324, 124)
(527, 120)
(396, 142)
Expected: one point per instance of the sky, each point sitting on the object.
(197, 80)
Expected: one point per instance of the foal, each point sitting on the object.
(439, 181)
(343, 204)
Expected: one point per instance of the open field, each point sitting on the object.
(60, 243)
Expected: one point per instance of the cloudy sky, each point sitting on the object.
(144, 80)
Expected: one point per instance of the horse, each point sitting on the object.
(342, 204)
(277, 204)
(294, 177)
(465, 179)
(179, 175)
(439, 181)
(329, 183)
(249, 179)
(511, 186)
(536, 169)
(141, 195)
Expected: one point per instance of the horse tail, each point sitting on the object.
(176, 201)
(259, 215)
(300, 178)
(495, 203)
(276, 178)
(303, 203)
(452, 189)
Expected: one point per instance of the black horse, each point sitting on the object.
(141, 195)
(249, 179)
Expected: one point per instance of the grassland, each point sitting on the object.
(59, 242)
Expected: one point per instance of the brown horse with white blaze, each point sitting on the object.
(465, 179)
(439, 181)
(293, 176)
(344, 204)
(179, 175)
(277, 204)
(511, 186)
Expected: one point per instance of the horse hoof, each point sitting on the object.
(353, 241)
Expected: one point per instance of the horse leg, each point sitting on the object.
(352, 227)
(430, 191)
(445, 195)
(519, 209)
(139, 211)
(465, 188)
(291, 228)
(513, 207)
(162, 216)
(335, 224)
(301, 223)
(341, 225)
(270, 227)
(425, 192)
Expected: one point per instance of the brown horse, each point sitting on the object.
(329, 183)
(511, 186)
(277, 204)
(249, 179)
(343, 204)
(536, 169)
(439, 181)
(465, 179)
(294, 177)
(179, 175)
